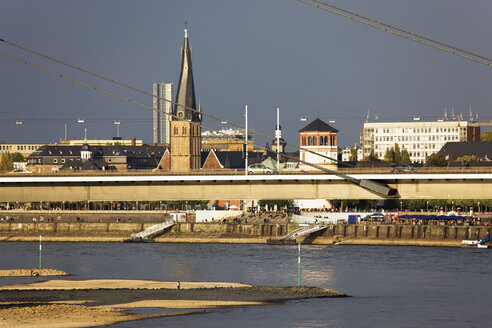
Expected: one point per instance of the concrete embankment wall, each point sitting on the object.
(87, 216)
(214, 232)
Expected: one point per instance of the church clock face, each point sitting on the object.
(180, 114)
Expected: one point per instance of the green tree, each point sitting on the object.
(18, 157)
(389, 156)
(395, 155)
(397, 152)
(6, 164)
(435, 160)
(405, 157)
(353, 154)
(487, 136)
(373, 157)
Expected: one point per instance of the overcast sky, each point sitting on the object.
(260, 53)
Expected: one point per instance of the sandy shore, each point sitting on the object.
(89, 303)
(72, 284)
(68, 316)
(31, 272)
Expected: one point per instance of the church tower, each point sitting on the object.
(186, 136)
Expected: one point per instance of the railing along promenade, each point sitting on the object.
(427, 183)
(352, 170)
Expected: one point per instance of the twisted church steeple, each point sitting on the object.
(186, 88)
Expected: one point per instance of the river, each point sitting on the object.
(390, 286)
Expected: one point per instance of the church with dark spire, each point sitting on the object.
(185, 126)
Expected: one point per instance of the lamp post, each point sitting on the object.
(82, 121)
(246, 139)
(401, 206)
(117, 123)
(478, 207)
(427, 206)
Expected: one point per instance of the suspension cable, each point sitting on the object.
(402, 30)
(413, 37)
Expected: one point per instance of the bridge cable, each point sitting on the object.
(399, 32)
(404, 31)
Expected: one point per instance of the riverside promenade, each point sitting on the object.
(117, 226)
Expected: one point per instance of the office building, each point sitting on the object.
(162, 112)
(420, 139)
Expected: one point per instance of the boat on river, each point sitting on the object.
(482, 243)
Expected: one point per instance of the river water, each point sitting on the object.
(390, 286)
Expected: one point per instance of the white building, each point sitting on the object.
(420, 139)
(347, 151)
(162, 112)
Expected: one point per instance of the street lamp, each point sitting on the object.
(427, 206)
(401, 206)
(82, 121)
(117, 123)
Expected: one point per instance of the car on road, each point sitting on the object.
(403, 169)
(259, 169)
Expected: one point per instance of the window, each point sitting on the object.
(315, 141)
(326, 140)
(310, 141)
(183, 130)
(176, 130)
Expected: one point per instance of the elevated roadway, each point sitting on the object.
(30, 188)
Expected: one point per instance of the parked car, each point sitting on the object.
(403, 169)
(259, 169)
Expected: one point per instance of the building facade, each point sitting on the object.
(226, 139)
(162, 112)
(420, 139)
(53, 158)
(24, 149)
(318, 138)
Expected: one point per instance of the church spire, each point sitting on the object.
(186, 88)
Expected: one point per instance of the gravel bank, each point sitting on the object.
(31, 272)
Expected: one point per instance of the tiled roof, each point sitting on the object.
(479, 149)
(318, 126)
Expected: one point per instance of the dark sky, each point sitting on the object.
(263, 53)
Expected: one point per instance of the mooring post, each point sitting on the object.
(299, 264)
(40, 251)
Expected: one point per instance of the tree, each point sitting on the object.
(6, 164)
(487, 136)
(18, 157)
(353, 154)
(373, 157)
(405, 157)
(397, 151)
(395, 156)
(435, 160)
(389, 156)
